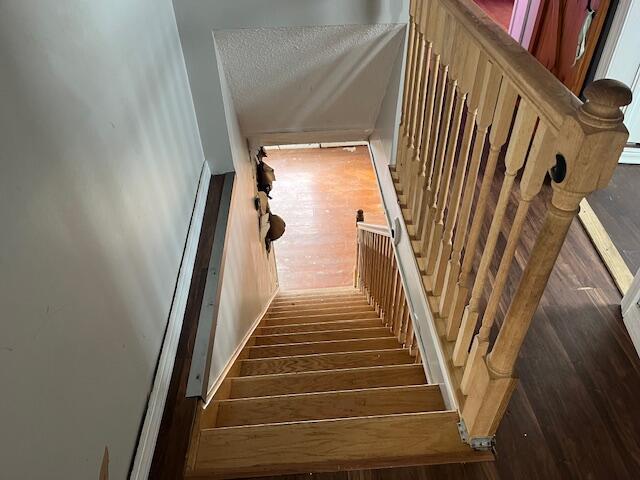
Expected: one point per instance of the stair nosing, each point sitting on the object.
(341, 341)
(324, 354)
(304, 394)
(242, 378)
(325, 331)
(325, 420)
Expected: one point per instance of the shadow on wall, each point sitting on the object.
(101, 161)
(308, 78)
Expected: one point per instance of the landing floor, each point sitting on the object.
(317, 192)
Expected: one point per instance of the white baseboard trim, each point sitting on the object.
(157, 398)
(214, 387)
(630, 156)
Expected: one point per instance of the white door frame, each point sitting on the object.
(621, 28)
(631, 311)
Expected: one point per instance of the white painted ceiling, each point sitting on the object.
(316, 78)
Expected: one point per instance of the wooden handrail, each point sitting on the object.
(378, 276)
(478, 108)
(378, 229)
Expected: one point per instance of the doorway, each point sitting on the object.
(317, 191)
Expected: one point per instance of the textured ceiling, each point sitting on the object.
(315, 78)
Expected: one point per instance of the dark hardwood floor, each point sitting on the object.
(575, 413)
(618, 209)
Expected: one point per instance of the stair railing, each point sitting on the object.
(471, 93)
(378, 276)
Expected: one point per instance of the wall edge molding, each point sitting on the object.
(145, 447)
(236, 353)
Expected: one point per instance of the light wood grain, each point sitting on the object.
(325, 361)
(333, 445)
(319, 326)
(333, 346)
(304, 382)
(329, 317)
(324, 405)
(327, 335)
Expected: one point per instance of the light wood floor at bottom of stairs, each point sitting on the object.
(317, 390)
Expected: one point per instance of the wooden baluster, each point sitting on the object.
(397, 328)
(589, 144)
(424, 63)
(516, 154)
(392, 295)
(426, 166)
(472, 84)
(406, 315)
(467, 71)
(497, 137)
(441, 169)
(397, 301)
(356, 274)
(540, 160)
(406, 100)
(409, 336)
(387, 274)
(490, 87)
(432, 178)
(367, 265)
(376, 272)
(418, 53)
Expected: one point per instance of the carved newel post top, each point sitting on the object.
(360, 216)
(604, 99)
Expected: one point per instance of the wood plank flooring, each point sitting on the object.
(618, 209)
(317, 192)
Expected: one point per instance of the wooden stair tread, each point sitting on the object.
(323, 405)
(325, 361)
(314, 310)
(325, 335)
(320, 305)
(329, 380)
(278, 302)
(331, 346)
(333, 444)
(319, 326)
(298, 319)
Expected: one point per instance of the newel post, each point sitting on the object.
(357, 268)
(588, 148)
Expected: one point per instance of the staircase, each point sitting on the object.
(324, 384)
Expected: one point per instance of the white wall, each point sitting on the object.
(306, 79)
(249, 279)
(99, 164)
(197, 20)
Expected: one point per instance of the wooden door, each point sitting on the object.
(557, 34)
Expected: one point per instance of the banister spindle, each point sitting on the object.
(439, 85)
(417, 206)
(497, 137)
(406, 98)
(473, 81)
(424, 56)
(416, 65)
(588, 144)
(490, 88)
(425, 67)
(539, 161)
(441, 133)
(465, 69)
(516, 154)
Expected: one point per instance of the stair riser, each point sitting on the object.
(319, 406)
(319, 327)
(334, 317)
(298, 312)
(279, 302)
(329, 361)
(334, 445)
(322, 305)
(330, 335)
(323, 347)
(327, 381)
